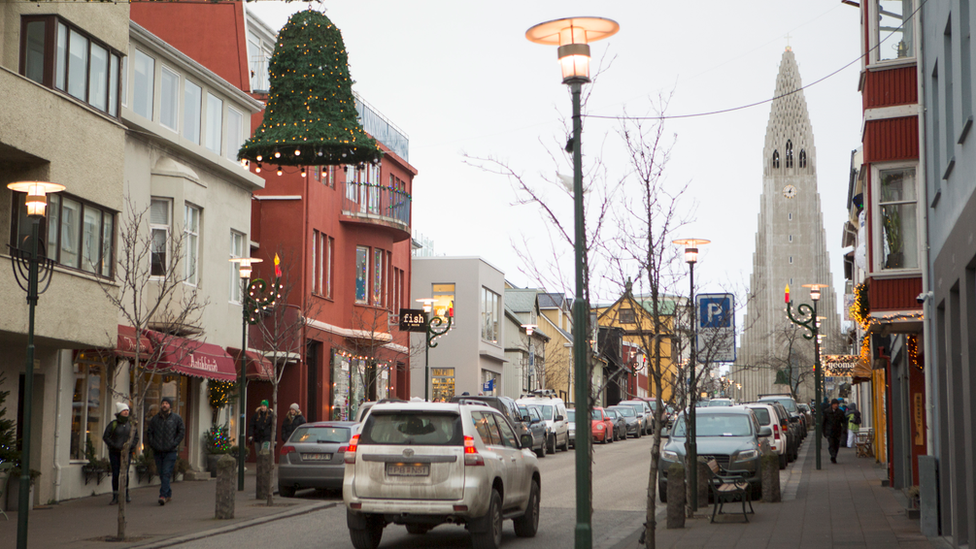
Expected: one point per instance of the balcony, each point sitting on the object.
(374, 204)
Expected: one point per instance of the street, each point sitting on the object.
(619, 495)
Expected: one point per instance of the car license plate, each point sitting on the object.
(316, 457)
(408, 469)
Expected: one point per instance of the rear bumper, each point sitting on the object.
(306, 476)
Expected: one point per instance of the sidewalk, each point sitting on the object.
(843, 504)
(86, 522)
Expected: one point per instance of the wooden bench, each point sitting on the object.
(728, 490)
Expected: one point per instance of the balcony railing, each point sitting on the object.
(377, 201)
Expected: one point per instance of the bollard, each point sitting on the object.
(265, 474)
(226, 487)
(676, 496)
(770, 478)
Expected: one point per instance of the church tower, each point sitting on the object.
(790, 249)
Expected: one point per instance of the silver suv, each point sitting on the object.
(422, 464)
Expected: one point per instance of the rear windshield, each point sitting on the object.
(611, 412)
(320, 435)
(762, 414)
(420, 428)
(720, 403)
(787, 403)
(626, 411)
(717, 425)
(545, 410)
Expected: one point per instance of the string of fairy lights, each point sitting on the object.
(860, 313)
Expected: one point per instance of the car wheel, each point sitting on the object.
(286, 491)
(662, 491)
(418, 529)
(541, 452)
(552, 445)
(566, 444)
(369, 536)
(527, 525)
(782, 461)
(491, 536)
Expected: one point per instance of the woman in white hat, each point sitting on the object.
(293, 419)
(115, 436)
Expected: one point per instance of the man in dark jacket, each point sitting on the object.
(116, 435)
(833, 423)
(164, 434)
(261, 423)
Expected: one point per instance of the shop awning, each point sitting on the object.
(129, 341)
(194, 358)
(258, 367)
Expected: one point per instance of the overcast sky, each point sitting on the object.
(460, 78)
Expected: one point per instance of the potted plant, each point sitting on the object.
(180, 469)
(216, 442)
(96, 468)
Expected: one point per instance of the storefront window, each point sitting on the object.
(340, 388)
(444, 296)
(443, 382)
(173, 386)
(86, 404)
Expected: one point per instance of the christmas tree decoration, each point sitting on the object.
(311, 117)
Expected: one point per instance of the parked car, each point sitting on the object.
(795, 416)
(631, 422)
(509, 409)
(787, 428)
(644, 411)
(727, 434)
(807, 413)
(602, 426)
(571, 420)
(421, 464)
(721, 402)
(619, 424)
(554, 413)
(767, 416)
(313, 456)
(536, 429)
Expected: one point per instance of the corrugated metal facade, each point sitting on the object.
(895, 294)
(887, 88)
(891, 139)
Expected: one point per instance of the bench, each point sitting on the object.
(864, 443)
(727, 489)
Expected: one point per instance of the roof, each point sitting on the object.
(521, 300)
(549, 301)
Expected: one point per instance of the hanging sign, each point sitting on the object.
(413, 320)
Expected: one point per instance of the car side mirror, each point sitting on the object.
(560, 418)
(535, 420)
(526, 441)
(526, 418)
(765, 432)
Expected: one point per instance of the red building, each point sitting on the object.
(342, 232)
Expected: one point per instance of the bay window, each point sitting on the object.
(892, 30)
(896, 213)
(159, 227)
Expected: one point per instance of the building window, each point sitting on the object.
(443, 296)
(789, 153)
(236, 251)
(235, 132)
(214, 120)
(378, 279)
(803, 158)
(898, 218)
(791, 238)
(191, 241)
(791, 260)
(442, 384)
(259, 55)
(627, 316)
(776, 159)
(169, 99)
(316, 264)
(144, 68)
(789, 216)
(489, 315)
(362, 273)
(892, 32)
(192, 96)
(159, 225)
(86, 404)
(60, 56)
(329, 265)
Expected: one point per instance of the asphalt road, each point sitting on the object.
(620, 474)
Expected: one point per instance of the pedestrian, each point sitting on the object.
(164, 434)
(853, 424)
(832, 422)
(116, 435)
(293, 419)
(261, 424)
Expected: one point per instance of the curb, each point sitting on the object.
(170, 542)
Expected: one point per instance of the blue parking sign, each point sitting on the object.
(716, 327)
(715, 311)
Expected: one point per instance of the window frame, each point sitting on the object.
(191, 243)
(167, 228)
(196, 124)
(875, 36)
(879, 258)
(362, 276)
(211, 131)
(175, 102)
(233, 145)
(151, 87)
(236, 290)
(490, 302)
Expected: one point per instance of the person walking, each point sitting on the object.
(116, 435)
(164, 434)
(261, 423)
(293, 419)
(853, 424)
(832, 425)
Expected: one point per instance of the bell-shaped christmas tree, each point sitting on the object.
(311, 117)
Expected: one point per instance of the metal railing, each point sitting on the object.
(373, 200)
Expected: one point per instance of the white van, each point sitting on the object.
(553, 411)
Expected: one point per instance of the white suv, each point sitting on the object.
(553, 411)
(421, 464)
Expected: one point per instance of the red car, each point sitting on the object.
(602, 426)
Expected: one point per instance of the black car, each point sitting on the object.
(507, 407)
(537, 428)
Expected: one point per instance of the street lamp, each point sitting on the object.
(432, 331)
(255, 297)
(30, 269)
(812, 326)
(691, 257)
(529, 330)
(572, 35)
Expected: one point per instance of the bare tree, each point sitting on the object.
(150, 295)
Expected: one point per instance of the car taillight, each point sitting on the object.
(775, 432)
(471, 455)
(350, 456)
(342, 448)
(285, 450)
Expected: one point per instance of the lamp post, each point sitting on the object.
(812, 326)
(433, 330)
(255, 297)
(529, 330)
(691, 257)
(572, 35)
(30, 270)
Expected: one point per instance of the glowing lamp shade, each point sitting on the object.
(691, 247)
(36, 194)
(529, 328)
(428, 304)
(244, 265)
(815, 290)
(573, 35)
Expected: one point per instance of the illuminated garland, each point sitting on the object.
(221, 393)
(363, 357)
(912, 344)
(216, 440)
(860, 310)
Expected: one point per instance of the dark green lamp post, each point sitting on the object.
(572, 35)
(808, 319)
(29, 270)
(435, 328)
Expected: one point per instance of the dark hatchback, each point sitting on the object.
(313, 456)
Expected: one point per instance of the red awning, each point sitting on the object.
(258, 367)
(127, 342)
(194, 358)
